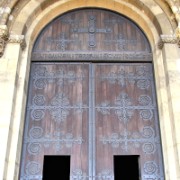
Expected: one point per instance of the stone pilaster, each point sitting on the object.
(172, 74)
(9, 75)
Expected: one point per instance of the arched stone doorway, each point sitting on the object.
(101, 105)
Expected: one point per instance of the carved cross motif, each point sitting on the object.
(91, 30)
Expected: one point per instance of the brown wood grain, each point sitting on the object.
(65, 99)
(75, 31)
(109, 91)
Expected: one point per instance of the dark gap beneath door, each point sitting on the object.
(56, 167)
(126, 167)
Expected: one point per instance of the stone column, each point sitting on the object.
(9, 68)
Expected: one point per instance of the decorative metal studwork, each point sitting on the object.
(38, 114)
(34, 148)
(124, 108)
(61, 104)
(62, 42)
(122, 42)
(151, 171)
(145, 114)
(85, 28)
(59, 107)
(145, 140)
(114, 21)
(41, 77)
(141, 77)
(32, 171)
(150, 167)
(78, 175)
(105, 175)
(33, 168)
(37, 139)
(68, 20)
(92, 30)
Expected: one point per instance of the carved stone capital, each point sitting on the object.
(18, 39)
(170, 39)
(3, 38)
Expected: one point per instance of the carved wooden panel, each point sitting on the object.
(92, 34)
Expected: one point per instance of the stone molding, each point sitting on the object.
(20, 39)
(3, 38)
(171, 39)
(6, 10)
(178, 35)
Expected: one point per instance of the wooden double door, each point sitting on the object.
(92, 112)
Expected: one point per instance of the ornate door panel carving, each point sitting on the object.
(126, 119)
(57, 117)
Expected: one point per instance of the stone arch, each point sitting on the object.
(138, 12)
(30, 21)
